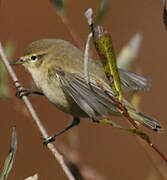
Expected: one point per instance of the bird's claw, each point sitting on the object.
(48, 140)
(21, 93)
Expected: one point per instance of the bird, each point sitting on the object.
(57, 68)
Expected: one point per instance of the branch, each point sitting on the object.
(60, 6)
(36, 119)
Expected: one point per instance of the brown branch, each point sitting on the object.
(74, 34)
(158, 165)
(147, 139)
(119, 105)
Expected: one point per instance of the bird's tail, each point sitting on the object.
(145, 120)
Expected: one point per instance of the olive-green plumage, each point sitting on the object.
(57, 68)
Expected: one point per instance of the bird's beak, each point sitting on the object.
(17, 62)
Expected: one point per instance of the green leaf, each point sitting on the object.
(102, 10)
(60, 7)
(104, 46)
(135, 100)
(141, 134)
(137, 132)
(10, 158)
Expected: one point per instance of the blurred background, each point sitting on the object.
(112, 153)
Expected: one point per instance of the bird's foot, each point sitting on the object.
(21, 91)
(48, 140)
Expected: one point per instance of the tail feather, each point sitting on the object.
(145, 120)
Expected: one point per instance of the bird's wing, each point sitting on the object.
(92, 100)
(132, 81)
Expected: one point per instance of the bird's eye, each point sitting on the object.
(33, 58)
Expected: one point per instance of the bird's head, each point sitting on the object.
(36, 52)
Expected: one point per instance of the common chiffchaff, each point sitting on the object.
(57, 68)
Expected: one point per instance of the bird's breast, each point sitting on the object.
(55, 94)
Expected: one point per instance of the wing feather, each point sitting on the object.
(92, 101)
(132, 81)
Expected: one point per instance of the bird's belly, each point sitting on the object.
(62, 101)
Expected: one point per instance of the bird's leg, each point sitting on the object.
(75, 121)
(21, 91)
(26, 92)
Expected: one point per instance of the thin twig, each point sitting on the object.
(86, 59)
(36, 119)
(157, 164)
(74, 34)
(146, 138)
